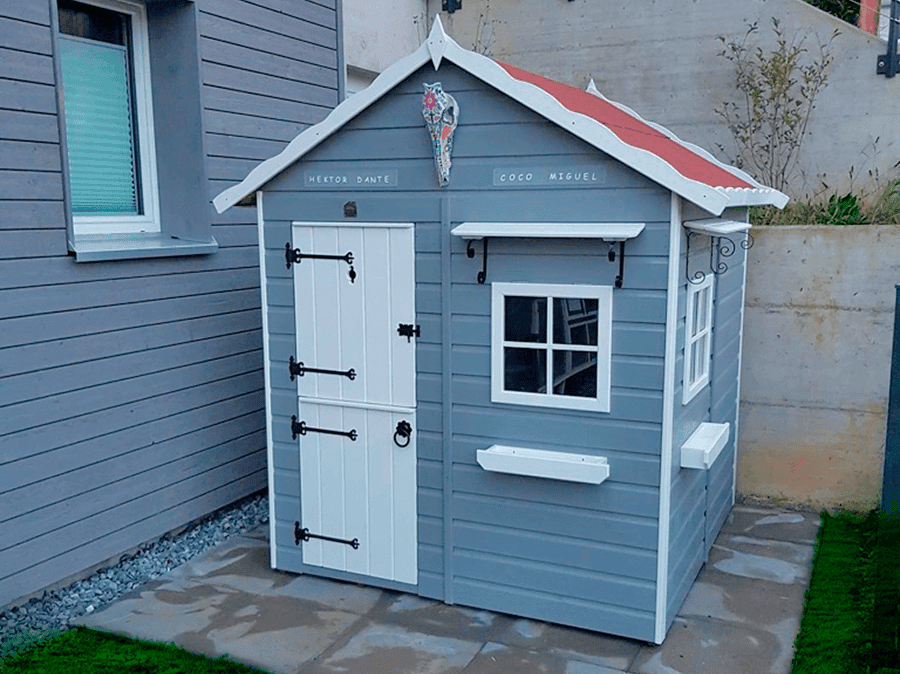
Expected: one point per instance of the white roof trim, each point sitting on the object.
(717, 227)
(440, 46)
(607, 231)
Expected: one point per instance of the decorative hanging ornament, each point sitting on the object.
(441, 113)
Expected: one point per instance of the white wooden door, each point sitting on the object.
(361, 487)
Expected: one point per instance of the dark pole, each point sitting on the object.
(890, 489)
(887, 64)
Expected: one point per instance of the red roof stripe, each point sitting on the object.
(632, 130)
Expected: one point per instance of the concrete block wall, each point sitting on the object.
(818, 326)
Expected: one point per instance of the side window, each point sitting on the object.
(697, 337)
(104, 58)
(551, 345)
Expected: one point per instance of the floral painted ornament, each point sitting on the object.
(441, 112)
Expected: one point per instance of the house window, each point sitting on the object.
(104, 58)
(551, 345)
(698, 337)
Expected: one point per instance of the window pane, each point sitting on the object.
(575, 373)
(525, 370)
(100, 129)
(92, 23)
(575, 321)
(701, 307)
(525, 319)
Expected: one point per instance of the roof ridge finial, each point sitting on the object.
(592, 88)
(437, 41)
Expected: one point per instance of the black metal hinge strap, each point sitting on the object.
(299, 369)
(294, 255)
(304, 535)
(300, 428)
(407, 330)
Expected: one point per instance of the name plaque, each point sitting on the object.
(549, 176)
(343, 179)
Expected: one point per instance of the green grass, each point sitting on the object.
(92, 652)
(850, 617)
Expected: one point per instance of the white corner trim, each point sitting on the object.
(437, 42)
(607, 231)
(704, 445)
(668, 420)
(717, 226)
(543, 463)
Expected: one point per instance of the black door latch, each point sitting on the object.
(407, 330)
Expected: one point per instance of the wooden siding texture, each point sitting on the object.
(580, 554)
(131, 392)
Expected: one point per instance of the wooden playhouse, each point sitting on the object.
(502, 322)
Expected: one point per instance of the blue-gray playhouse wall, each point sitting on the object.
(578, 554)
(131, 391)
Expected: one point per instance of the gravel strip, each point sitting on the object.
(57, 609)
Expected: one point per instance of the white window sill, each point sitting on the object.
(102, 247)
(701, 450)
(542, 463)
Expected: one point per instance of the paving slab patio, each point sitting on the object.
(741, 615)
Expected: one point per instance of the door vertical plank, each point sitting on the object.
(381, 494)
(381, 328)
(356, 490)
(310, 485)
(403, 308)
(305, 315)
(353, 313)
(404, 506)
(328, 274)
(331, 457)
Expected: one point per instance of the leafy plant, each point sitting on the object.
(778, 90)
(850, 209)
(842, 211)
(847, 10)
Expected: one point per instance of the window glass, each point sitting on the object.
(575, 373)
(525, 370)
(525, 319)
(575, 321)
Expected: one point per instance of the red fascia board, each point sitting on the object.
(632, 131)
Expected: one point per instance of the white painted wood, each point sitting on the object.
(603, 349)
(697, 338)
(668, 419)
(607, 231)
(440, 46)
(704, 445)
(543, 463)
(717, 226)
(363, 489)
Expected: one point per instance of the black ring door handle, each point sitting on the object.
(404, 430)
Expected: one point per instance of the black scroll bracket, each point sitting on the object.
(295, 256)
(299, 369)
(719, 247)
(470, 252)
(612, 258)
(304, 535)
(300, 428)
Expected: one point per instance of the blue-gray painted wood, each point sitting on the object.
(135, 391)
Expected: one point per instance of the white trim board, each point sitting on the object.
(439, 46)
(717, 227)
(607, 231)
(704, 445)
(566, 466)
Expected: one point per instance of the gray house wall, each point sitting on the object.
(131, 391)
(478, 530)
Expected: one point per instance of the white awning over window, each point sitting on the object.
(607, 231)
(717, 226)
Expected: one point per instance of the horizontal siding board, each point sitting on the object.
(228, 77)
(33, 215)
(25, 156)
(560, 551)
(17, 245)
(431, 530)
(25, 67)
(431, 558)
(549, 607)
(318, 49)
(284, 206)
(27, 10)
(255, 61)
(429, 474)
(145, 519)
(561, 581)
(27, 97)
(430, 502)
(429, 445)
(312, 22)
(34, 185)
(609, 497)
(249, 103)
(149, 477)
(25, 36)
(561, 520)
(29, 126)
(234, 124)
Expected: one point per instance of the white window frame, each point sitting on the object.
(149, 221)
(691, 387)
(603, 295)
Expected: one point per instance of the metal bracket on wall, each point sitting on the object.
(300, 428)
(889, 64)
(470, 252)
(299, 369)
(295, 256)
(304, 535)
(719, 247)
(612, 258)
(451, 6)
